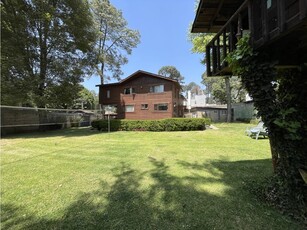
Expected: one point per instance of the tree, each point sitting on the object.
(280, 98)
(113, 38)
(194, 88)
(172, 73)
(86, 99)
(44, 47)
(216, 89)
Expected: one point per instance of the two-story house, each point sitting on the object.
(142, 95)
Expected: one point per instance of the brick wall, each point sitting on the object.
(142, 95)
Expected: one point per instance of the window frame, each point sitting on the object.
(146, 105)
(129, 111)
(156, 106)
(153, 87)
(131, 90)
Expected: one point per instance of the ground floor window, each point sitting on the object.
(161, 107)
(144, 106)
(129, 108)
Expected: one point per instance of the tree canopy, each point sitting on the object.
(44, 45)
(216, 89)
(49, 47)
(113, 39)
(172, 73)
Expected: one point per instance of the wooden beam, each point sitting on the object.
(281, 16)
(303, 9)
(241, 8)
(216, 13)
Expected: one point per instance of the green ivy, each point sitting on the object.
(280, 98)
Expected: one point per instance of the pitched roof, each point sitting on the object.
(139, 72)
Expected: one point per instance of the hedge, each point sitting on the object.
(172, 124)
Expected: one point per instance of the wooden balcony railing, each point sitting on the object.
(225, 41)
(266, 21)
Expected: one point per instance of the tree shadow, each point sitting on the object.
(170, 201)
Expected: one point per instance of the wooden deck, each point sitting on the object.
(278, 26)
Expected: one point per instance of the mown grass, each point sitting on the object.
(85, 179)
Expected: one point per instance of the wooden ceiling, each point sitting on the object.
(211, 15)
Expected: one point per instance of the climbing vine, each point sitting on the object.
(280, 96)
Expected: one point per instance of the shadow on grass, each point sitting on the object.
(170, 202)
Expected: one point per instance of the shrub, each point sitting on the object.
(172, 124)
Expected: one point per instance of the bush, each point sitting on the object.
(172, 124)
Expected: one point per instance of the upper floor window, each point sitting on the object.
(129, 90)
(156, 89)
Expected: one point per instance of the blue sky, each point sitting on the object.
(163, 25)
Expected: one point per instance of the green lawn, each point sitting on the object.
(85, 179)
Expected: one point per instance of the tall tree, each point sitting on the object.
(216, 89)
(44, 46)
(86, 99)
(194, 88)
(172, 73)
(114, 37)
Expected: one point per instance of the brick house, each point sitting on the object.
(142, 96)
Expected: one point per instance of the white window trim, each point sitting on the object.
(153, 87)
(129, 111)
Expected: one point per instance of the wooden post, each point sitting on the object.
(218, 53)
(214, 58)
(224, 46)
(281, 17)
(303, 10)
(239, 29)
(265, 21)
(208, 60)
(231, 38)
(250, 22)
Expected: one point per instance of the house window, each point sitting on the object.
(129, 108)
(108, 93)
(156, 89)
(224, 112)
(129, 90)
(161, 107)
(144, 106)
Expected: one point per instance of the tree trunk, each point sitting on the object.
(101, 74)
(274, 152)
(228, 93)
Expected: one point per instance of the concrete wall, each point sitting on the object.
(244, 111)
